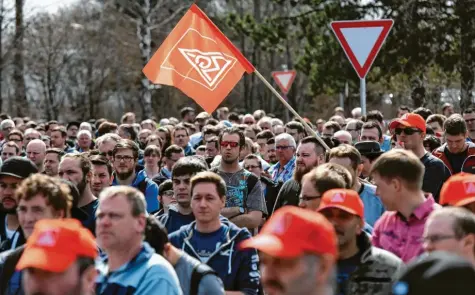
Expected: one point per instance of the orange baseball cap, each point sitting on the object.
(344, 199)
(55, 244)
(409, 120)
(292, 231)
(458, 190)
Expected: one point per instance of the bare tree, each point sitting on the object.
(18, 73)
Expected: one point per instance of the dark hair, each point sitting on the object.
(404, 108)
(185, 111)
(173, 149)
(232, 116)
(16, 132)
(152, 149)
(423, 112)
(84, 162)
(233, 130)
(214, 140)
(209, 177)
(440, 119)
(271, 141)
(126, 116)
(469, 110)
(180, 127)
(266, 134)
(188, 166)
(455, 125)
(106, 127)
(126, 144)
(401, 164)
(374, 115)
(329, 176)
(295, 125)
(52, 122)
(167, 185)
(61, 130)
(211, 121)
(129, 129)
(58, 152)
(254, 157)
(432, 141)
(100, 160)
(371, 125)
(346, 151)
(210, 129)
(156, 234)
(168, 138)
(319, 149)
(12, 144)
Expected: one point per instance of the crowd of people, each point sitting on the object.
(239, 204)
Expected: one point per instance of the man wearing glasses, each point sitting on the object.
(285, 147)
(245, 204)
(125, 156)
(410, 131)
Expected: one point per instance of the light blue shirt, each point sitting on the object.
(373, 207)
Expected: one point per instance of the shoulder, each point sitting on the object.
(388, 217)
(433, 161)
(385, 257)
(369, 188)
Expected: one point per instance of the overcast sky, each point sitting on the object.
(34, 6)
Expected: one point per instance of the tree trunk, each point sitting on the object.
(21, 104)
(465, 10)
(1, 53)
(145, 37)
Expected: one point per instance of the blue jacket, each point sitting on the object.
(238, 269)
(173, 220)
(373, 207)
(147, 273)
(150, 192)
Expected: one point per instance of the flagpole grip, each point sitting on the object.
(289, 107)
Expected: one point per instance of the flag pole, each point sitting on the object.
(289, 107)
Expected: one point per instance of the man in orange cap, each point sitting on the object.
(298, 250)
(459, 191)
(59, 259)
(362, 268)
(410, 131)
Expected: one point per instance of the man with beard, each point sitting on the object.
(125, 156)
(310, 154)
(12, 173)
(361, 268)
(51, 162)
(77, 169)
(101, 174)
(271, 155)
(245, 204)
(181, 214)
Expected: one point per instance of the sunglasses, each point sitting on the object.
(225, 144)
(407, 131)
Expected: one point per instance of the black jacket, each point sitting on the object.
(6, 244)
(271, 192)
(288, 194)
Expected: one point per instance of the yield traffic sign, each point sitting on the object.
(361, 41)
(284, 79)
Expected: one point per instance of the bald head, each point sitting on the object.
(343, 136)
(36, 152)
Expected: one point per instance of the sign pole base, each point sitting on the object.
(363, 96)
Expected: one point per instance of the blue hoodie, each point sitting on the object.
(174, 220)
(238, 269)
(151, 190)
(147, 273)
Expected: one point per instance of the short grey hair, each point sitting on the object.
(135, 197)
(7, 122)
(81, 132)
(85, 126)
(107, 137)
(288, 137)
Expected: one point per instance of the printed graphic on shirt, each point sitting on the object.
(236, 194)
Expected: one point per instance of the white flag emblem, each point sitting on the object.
(210, 65)
(338, 198)
(47, 239)
(469, 187)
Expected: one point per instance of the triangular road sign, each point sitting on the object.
(284, 79)
(362, 40)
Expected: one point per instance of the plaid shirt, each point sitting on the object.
(285, 174)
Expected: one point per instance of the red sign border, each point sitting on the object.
(387, 25)
(291, 81)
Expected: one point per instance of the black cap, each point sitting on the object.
(368, 148)
(438, 273)
(73, 123)
(18, 167)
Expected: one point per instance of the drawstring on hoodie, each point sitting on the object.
(230, 255)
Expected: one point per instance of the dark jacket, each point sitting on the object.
(271, 192)
(238, 269)
(440, 153)
(10, 279)
(6, 244)
(173, 220)
(377, 271)
(288, 194)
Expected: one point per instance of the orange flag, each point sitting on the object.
(198, 59)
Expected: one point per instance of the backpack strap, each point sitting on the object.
(199, 271)
(9, 268)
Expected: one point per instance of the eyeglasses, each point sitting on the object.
(109, 153)
(249, 167)
(469, 121)
(407, 131)
(249, 123)
(437, 238)
(283, 147)
(168, 193)
(309, 198)
(126, 159)
(225, 144)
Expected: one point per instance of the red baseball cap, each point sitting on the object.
(409, 120)
(344, 199)
(458, 190)
(292, 231)
(55, 244)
